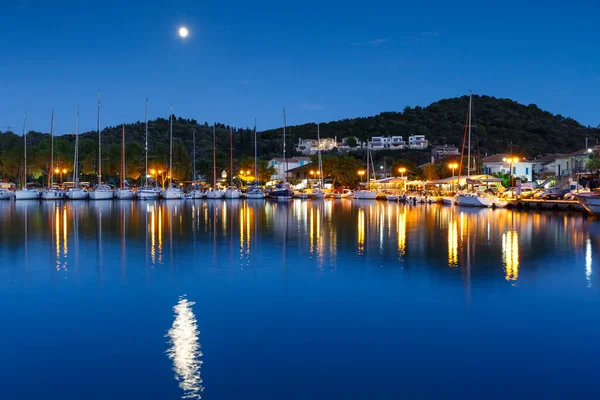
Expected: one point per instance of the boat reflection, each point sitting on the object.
(185, 352)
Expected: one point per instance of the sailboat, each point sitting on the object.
(147, 192)
(194, 192)
(475, 199)
(214, 192)
(101, 191)
(171, 193)
(124, 192)
(319, 193)
(231, 192)
(52, 192)
(366, 194)
(77, 192)
(283, 191)
(255, 192)
(26, 193)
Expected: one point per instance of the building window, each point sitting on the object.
(527, 171)
(514, 170)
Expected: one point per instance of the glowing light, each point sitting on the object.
(361, 231)
(453, 244)
(588, 262)
(183, 32)
(401, 227)
(185, 349)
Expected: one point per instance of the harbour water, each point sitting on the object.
(300, 300)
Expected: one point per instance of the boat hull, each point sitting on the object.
(194, 195)
(214, 194)
(365, 195)
(101, 195)
(125, 194)
(590, 201)
(172, 194)
(77, 195)
(27, 194)
(148, 194)
(52, 195)
(233, 194)
(255, 195)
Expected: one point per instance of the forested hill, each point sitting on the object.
(497, 123)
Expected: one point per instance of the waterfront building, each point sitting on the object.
(281, 166)
(573, 163)
(495, 164)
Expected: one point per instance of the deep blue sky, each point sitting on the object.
(323, 60)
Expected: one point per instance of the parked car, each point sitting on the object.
(556, 195)
(512, 192)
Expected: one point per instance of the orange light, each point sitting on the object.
(152, 171)
(56, 171)
(64, 170)
(402, 170)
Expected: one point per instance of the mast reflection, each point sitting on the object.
(185, 349)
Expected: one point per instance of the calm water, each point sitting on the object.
(303, 300)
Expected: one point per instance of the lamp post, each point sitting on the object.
(452, 166)
(361, 173)
(402, 170)
(511, 161)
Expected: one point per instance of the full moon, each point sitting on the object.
(183, 32)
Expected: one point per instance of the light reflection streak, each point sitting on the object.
(361, 231)
(453, 242)
(588, 262)
(401, 228)
(510, 255)
(185, 350)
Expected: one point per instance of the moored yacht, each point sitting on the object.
(77, 192)
(125, 192)
(255, 192)
(102, 192)
(214, 193)
(590, 201)
(7, 191)
(26, 193)
(232, 193)
(53, 193)
(172, 192)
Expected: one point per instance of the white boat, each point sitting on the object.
(448, 200)
(102, 192)
(194, 193)
(7, 191)
(26, 193)
(590, 201)
(365, 195)
(53, 193)
(255, 193)
(344, 194)
(125, 194)
(232, 193)
(172, 192)
(392, 197)
(479, 200)
(214, 194)
(147, 192)
(77, 193)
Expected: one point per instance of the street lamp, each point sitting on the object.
(511, 161)
(452, 166)
(361, 173)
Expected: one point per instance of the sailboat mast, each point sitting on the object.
(76, 157)
(99, 144)
(230, 156)
(51, 166)
(146, 146)
(319, 157)
(25, 150)
(285, 163)
(215, 156)
(469, 149)
(123, 156)
(194, 161)
(255, 155)
(171, 148)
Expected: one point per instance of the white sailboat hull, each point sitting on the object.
(194, 195)
(6, 194)
(214, 194)
(27, 194)
(471, 200)
(53, 195)
(172, 194)
(232, 193)
(258, 194)
(365, 195)
(148, 194)
(125, 194)
(77, 194)
(101, 195)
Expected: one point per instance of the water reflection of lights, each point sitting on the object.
(401, 227)
(510, 255)
(588, 262)
(60, 236)
(185, 349)
(245, 234)
(453, 242)
(361, 231)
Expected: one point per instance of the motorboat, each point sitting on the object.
(392, 197)
(590, 201)
(214, 194)
(255, 193)
(282, 191)
(148, 193)
(102, 192)
(479, 200)
(172, 193)
(77, 193)
(365, 195)
(344, 194)
(53, 193)
(7, 191)
(232, 193)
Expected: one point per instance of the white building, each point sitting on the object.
(574, 163)
(441, 152)
(387, 142)
(345, 144)
(546, 166)
(311, 146)
(495, 164)
(417, 142)
(281, 166)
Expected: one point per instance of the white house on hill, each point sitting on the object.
(281, 166)
(494, 164)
